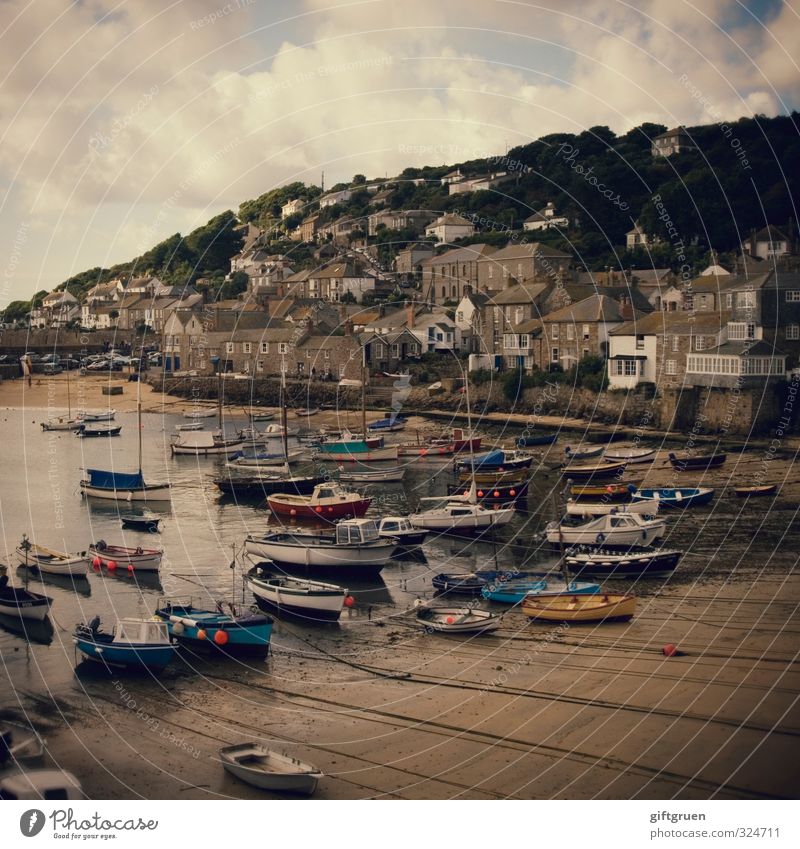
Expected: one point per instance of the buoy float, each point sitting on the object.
(669, 650)
(221, 638)
(512, 492)
(97, 562)
(450, 620)
(330, 509)
(112, 565)
(496, 494)
(293, 512)
(318, 509)
(349, 601)
(130, 568)
(178, 629)
(480, 493)
(201, 634)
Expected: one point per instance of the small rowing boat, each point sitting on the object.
(646, 507)
(676, 496)
(755, 491)
(387, 476)
(21, 604)
(699, 462)
(268, 770)
(582, 453)
(533, 439)
(457, 620)
(313, 600)
(99, 430)
(632, 455)
(607, 607)
(51, 562)
(593, 471)
(608, 492)
(133, 559)
(514, 591)
(641, 563)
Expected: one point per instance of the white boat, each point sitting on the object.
(99, 416)
(457, 620)
(601, 508)
(400, 529)
(355, 546)
(371, 455)
(39, 784)
(259, 461)
(22, 604)
(612, 530)
(204, 443)
(49, 561)
(141, 559)
(200, 414)
(268, 770)
(189, 426)
(462, 516)
(630, 455)
(388, 476)
(63, 423)
(301, 597)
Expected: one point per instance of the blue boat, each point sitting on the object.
(498, 460)
(231, 632)
(533, 439)
(135, 644)
(676, 496)
(389, 424)
(512, 592)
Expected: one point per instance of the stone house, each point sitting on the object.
(545, 219)
(387, 352)
(332, 282)
(400, 219)
(408, 262)
(446, 277)
(519, 263)
(671, 141)
(449, 227)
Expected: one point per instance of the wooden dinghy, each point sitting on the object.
(536, 439)
(457, 620)
(609, 492)
(700, 462)
(581, 453)
(49, 561)
(755, 491)
(268, 770)
(593, 471)
(21, 604)
(676, 496)
(606, 607)
(630, 455)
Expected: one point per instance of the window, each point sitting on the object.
(229, 347)
(283, 347)
(629, 367)
(699, 343)
(524, 340)
(308, 353)
(460, 316)
(740, 330)
(260, 365)
(747, 300)
(327, 355)
(395, 349)
(246, 347)
(555, 331)
(671, 366)
(728, 301)
(265, 347)
(554, 355)
(793, 331)
(585, 332)
(792, 296)
(570, 332)
(639, 342)
(379, 349)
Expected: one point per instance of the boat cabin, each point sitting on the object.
(355, 531)
(146, 631)
(396, 524)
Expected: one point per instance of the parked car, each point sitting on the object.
(52, 368)
(98, 365)
(69, 363)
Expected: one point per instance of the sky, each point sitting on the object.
(125, 121)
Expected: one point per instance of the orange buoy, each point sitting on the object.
(480, 493)
(97, 562)
(450, 620)
(669, 650)
(512, 492)
(201, 634)
(293, 512)
(318, 509)
(349, 601)
(221, 638)
(496, 494)
(112, 565)
(130, 567)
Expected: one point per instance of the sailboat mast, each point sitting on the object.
(139, 423)
(69, 399)
(363, 403)
(473, 488)
(219, 398)
(284, 423)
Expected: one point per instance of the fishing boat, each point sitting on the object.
(298, 596)
(260, 415)
(370, 455)
(698, 462)
(99, 416)
(581, 453)
(675, 496)
(491, 492)
(263, 459)
(124, 486)
(248, 631)
(614, 531)
(457, 620)
(593, 471)
(383, 476)
(51, 562)
(200, 414)
(134, 643)
(400, 529)
(496, 479)
(536, 439)
(412, 449)
(268, 770)
(204, 443)
(133, 559)
(40, 784)
(22, 604)
(190, 426)
(99, 430)
(755, 491)
(608, 492)
(147, 523)
(265, 483)
(644, 563)
(644, 506)
(605, 607)
(630, 455)
(355, 546)
(329, 501)
(461, 440)
(306, 411)
(389, 425)
(62, 423)
(459, 583)
(514, 591)
(461, 516)
(499, 460)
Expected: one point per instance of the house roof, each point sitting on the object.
(520, 293)
(530, 326)
(520, 251)
(678, 323)
(253, 334)
(771, 233)
(760, 348)
(638, 298)
(675, 131)
(298, 277)
(594, 308)
(450, 219)
(467, 253)
(709, 283)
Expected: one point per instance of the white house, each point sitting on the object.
(57, 309)
(332, 198)
(292, 207)
(545, 218)
(447, 228)
(768, 243)
(632, 353)
(637, 238)
(436, 332)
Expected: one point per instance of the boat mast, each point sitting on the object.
(363, 401)
(284, 422)
(139, 423)
(219, 398)
(69, 400)
(473, 498)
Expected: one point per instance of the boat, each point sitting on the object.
(614, 531)
(62, 424)
(675, 496)
(370, 455)
(133, 559)
(260, 415)
(698, 462)
(645, 506)
(581, 453)
(496, 479)
(391, 424)
(298, 596)
(306, 411)
(203, 443)
(462, 516)
(328, 500)
(459, 583)
(264, 484)
(534, 439)
(608, 492)
(22, 604)
(460, 439)
(400, 529)
(605, 607)
(355, 546)
(514, 591)
(499, 460)
(101, 416)
(417, 450)
(19, 743)
(263, 459)
(248, 631)
(268, 770)
(755, 491)
(34, 556)
(135, 643)
(593, 471)
(630, 455)
(99, 430)
(503, 492)
(639, 563)
(200, 414)
(457, 620)
(37, 785)
(124, 486)
(140, 522)
(387, 476)
(189, 426)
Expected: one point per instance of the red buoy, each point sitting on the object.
(513, 492)
(496, 493)
(221, 638)
(669, 650)
(97, 562)
(349, 601)
(112, 565)
(130, 567)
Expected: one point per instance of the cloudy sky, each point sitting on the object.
(124, 121)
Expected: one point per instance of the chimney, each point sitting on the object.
(410, 315)
(626, 308)
(348, 328)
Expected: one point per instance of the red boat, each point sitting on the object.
(329, 501)
(412, 450)
(459, 440)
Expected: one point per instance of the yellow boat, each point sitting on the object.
(580, 608)
(496, 478)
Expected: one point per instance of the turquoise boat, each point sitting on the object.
(512, 592)
(135, 644)
(230, 632)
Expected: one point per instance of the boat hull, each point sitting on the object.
(331, 512)
(202, 629)
(373, 455)
(302, 782)
(303, 550)
(586, 473)
(147, 561)
(630, 456)
(255, 487)
(654, 564)
(457, 620)
(514, 592)
(592, 608)
(696, 464)
(679, 498)
(434, 520)
(205, 450)
(503, 492)
(531, 441)
(312, 604)
(620, 538)
(77, 565)
(126, 656)
(755, 491)
(152, 492)
(645, 507)
(20, 604)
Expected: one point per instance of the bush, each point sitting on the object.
(480, 376)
